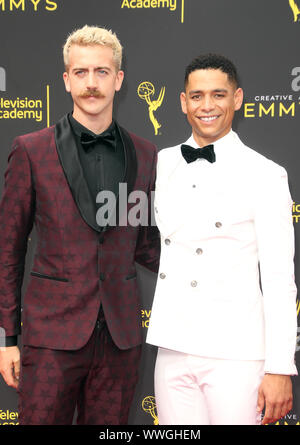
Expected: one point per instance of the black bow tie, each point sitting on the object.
(190, 154)
(107, 137)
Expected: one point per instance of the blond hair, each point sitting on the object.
(93, 35)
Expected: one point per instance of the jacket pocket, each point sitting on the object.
(48, 277)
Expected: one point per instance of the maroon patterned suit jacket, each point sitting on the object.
(76, 265)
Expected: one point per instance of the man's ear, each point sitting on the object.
(67, 81)
(183, 102)
(238, 98)
(119, 80)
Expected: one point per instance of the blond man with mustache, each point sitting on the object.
(81, 333)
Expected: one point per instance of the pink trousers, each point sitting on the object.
(192, 390)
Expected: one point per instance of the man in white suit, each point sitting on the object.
(224, 312)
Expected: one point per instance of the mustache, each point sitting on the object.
(91, 93)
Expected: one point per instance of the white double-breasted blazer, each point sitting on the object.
(226, 284)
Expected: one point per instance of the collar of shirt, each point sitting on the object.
(224, 147)
(78, 128)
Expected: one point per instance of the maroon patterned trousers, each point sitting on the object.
(99, 379)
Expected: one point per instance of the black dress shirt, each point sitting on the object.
(103, 166)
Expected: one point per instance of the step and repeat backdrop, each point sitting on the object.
(160, 37)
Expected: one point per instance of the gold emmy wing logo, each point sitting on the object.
(145, 92)
(296, 10)
(149, 406)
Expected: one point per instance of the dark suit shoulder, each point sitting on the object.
(37, 135)
(140, 142)
(37, 140)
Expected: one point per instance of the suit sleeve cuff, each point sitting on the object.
(9, 341)
(283, 370)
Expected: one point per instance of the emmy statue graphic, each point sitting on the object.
(145, 91)
(149, 406)
(295, 9)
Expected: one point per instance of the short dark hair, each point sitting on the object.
(215, 62)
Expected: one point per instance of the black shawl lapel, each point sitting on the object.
(68, 155)
(130, 159)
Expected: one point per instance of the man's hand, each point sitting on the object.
(10, 365)
(275, 393)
